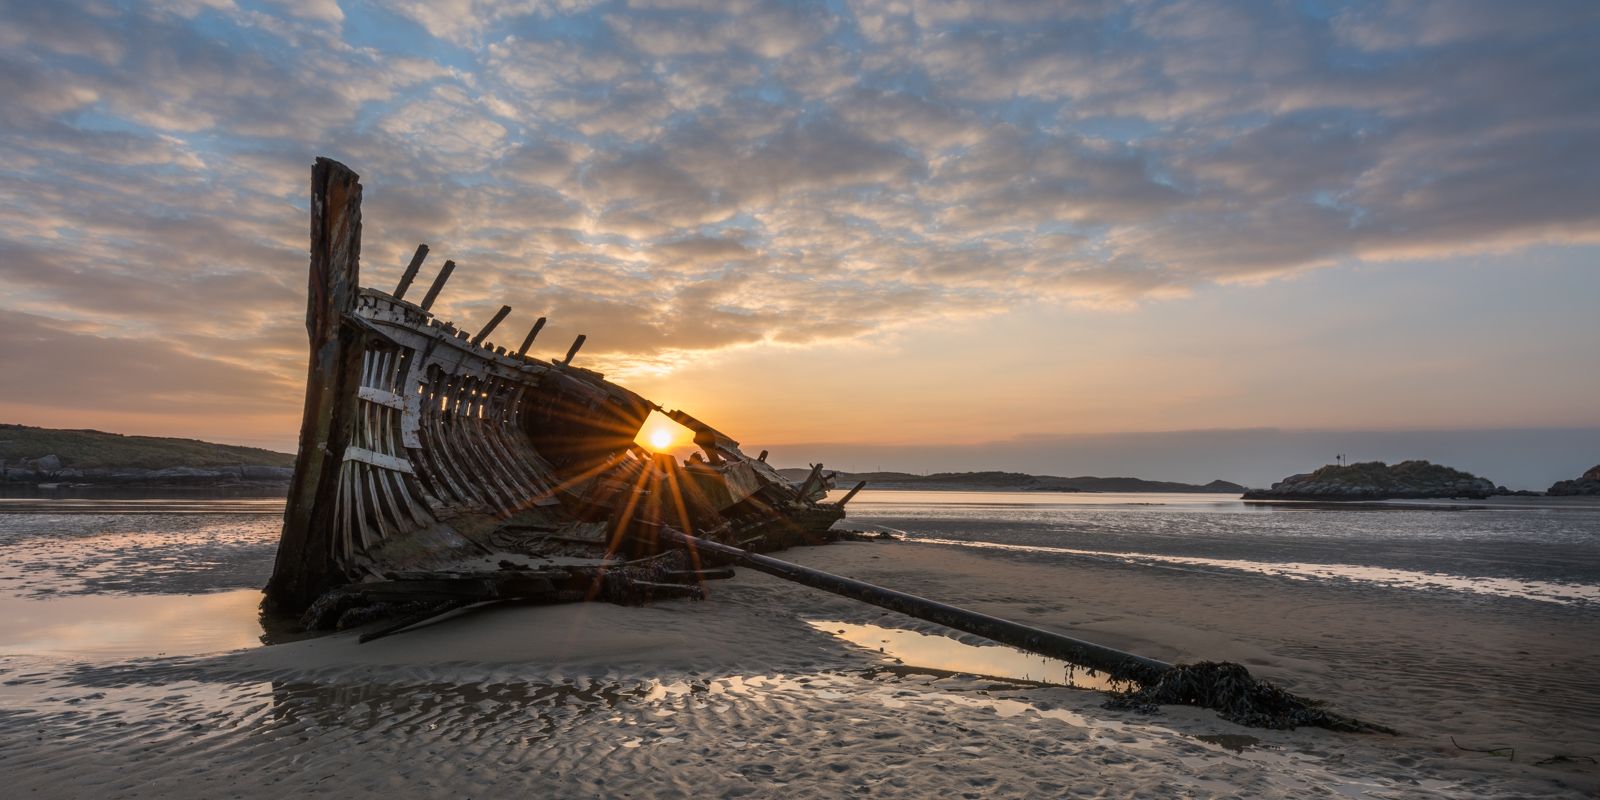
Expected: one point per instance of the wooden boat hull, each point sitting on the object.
(428, 454)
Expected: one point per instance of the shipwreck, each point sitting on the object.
(438, 470)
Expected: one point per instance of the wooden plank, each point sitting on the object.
(382, 398)
(305, 566)
(411, 272)
(416, 514)
(378, 521)
(385, 481)
(462, 455)
(437, 446)
(805, 488)
(1116, 663)
(377, 459)
(847, 498)
(342, 516)
(471, 433)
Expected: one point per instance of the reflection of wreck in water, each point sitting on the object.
(436, 468)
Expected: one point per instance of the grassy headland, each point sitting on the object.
(90, 449)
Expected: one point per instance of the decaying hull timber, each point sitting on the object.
(439, 468)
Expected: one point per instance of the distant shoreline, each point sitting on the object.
(996, 481)
(903, 487)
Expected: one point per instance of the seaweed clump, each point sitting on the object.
(1233, 693)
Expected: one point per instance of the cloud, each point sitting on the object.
(129, 375)
(678, 177)
(466, 21)
(319, 10)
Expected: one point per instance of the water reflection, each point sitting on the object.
(948, 655)
(130, 626)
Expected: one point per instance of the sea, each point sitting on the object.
(90, 576)
(1536, 549)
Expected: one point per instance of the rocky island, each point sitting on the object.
(1586, 484)
(1375, 480)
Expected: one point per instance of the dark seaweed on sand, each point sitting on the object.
(1229, 690)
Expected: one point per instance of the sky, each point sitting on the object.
(926, 234)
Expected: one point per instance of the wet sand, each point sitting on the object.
(755, 694)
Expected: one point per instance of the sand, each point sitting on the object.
(740, 696)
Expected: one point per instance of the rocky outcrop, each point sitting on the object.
(1586, 484)
(1502, 491)
(1375, 480)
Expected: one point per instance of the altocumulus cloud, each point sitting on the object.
(675, 177)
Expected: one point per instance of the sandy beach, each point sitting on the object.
(771, 689)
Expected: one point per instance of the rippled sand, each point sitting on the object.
(769, 689)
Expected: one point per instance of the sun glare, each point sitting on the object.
(661, 434)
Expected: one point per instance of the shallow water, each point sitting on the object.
(1531, 549)
(106, 627)
(945, 654)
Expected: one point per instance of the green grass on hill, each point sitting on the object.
(1377, 473)
(86, 449)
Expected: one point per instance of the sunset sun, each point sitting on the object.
(662, 434)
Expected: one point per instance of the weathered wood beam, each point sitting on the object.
(493, 323)
(411, 272)
(572, 351)
(413, 619)
(533, 333)
(1115, 663)
(805, 488)
(852, 494)
(306, 564)
(438, 285)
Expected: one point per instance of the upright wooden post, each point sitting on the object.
(532, 334)
(411, 272)
(438, 285)
(576, 343)
(493, 323)
(306, 565)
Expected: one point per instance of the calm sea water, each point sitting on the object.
(1531, 549)
(130, 577)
